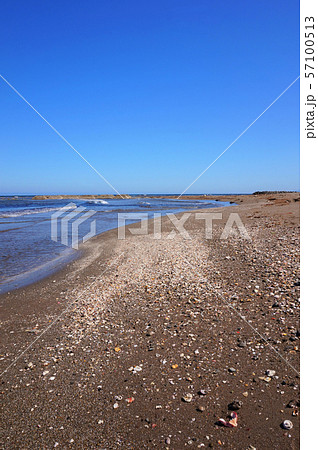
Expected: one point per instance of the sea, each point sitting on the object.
(27, 250)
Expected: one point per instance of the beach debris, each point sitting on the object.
(287, 425)
(187, 398)
(235, 405)
(201, 408)
(293, 404)
(231, 423)
(174, 366)
(130, 400)
(270, 373)
(231, 370)
(117, 349)
(135, 369)
(245, 394)
(45, 372)
(266, 379)
(168, 441)
(241, 344)
(201, 392)
(115, 405)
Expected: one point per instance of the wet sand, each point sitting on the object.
(147, 322)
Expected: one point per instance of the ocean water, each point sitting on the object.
(27, 251)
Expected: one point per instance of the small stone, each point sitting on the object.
(270, 373)
(287, 425)
(266, 379)
(245, 394)
(235, 405)
(168, 441)
(115, 405)
(187, 398)
(231, 370)
(293, 404)
(202, 392)
(201, 408)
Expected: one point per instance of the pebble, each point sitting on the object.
(187, 398)
(202, 392)
(270, 373)
(201, 408)
(293, 404)
(235, 405)
(266, 379)
(287, 425)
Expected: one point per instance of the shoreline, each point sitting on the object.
(55, 265)
(57, 262)
(135, 321)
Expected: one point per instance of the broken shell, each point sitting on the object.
(187, 398)
(287, 425)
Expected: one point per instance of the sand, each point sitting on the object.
(137, 325)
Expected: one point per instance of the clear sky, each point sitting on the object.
(150, 92)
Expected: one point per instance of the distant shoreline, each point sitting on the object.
(126, 196)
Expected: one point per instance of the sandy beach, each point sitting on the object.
(145, 342)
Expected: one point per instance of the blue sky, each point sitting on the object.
(150, 93)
